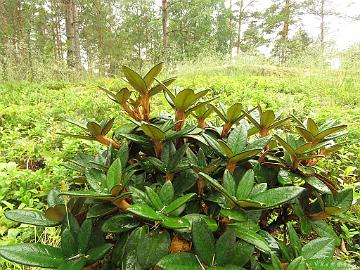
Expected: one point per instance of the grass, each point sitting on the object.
(31, 115)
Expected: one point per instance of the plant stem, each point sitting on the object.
(226, 128)
(102, 139)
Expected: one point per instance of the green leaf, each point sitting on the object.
(243, 252)
(99, 210)
(327, 263)
(298, 264)
(225, 247)
(344, 199)
(219, 187)
(129, 259)
(94, 128)
(229, 182)
(286, 146)
(317, 184)
(158, 88)
(226, 149)
(276, 196)
(275, 262)
(152, 74)
(123, 154)
(329, 131)
(154, 198)
(69, 245)
(175, 223)
(234, 214)
(154, 246)
(88, 194)
(203, 241)
(234, 112)
(252, 238)
(312, 127)
(135, 80)
(325, 230)
(245, 155)
(107, 127)
(211, 223)
(245, 186)
(294, 240)
(319, 248)
(179, 261)
(286, 177)
(238, 138)
(178, 202)
(153, 131)
(32, 217)
(98, 253)
(84, 236)
(36, 255)
(307, 135)
(167, 193)
(72, 265)
(123, 95)
(119, 223)
(114, 174)
(213, 144)
(96, 179)
(267, 118)
(145, 211)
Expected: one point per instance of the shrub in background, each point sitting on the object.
(182, 193)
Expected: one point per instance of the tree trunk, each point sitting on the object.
(322, 26)
(285, 31)
(230, 28)
(72, 34)
(238, 43)
(165, 21)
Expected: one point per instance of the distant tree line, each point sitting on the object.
(99, 35)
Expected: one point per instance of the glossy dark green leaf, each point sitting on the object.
(276, 263)
(77, 264)
(219, 187)
(178, 202)
(323, 229)
(237, 138)
(286, 146)
(317, 184)
(276, 196)
(145, 211)
(114, 174)
(319, 248)
(234, 112)
(167, 192)
(175, 223)
(327, 263)
(98, 252)
(286, 177)
(344, 199)
(211, 223)
(119, 223)
(179, 261)
(295, 241)
(159, 87)
(88, 194)
(154, 198)
(243, 252)
(298, 264)
(153, 131)
(69, 245)
(84, 236)
(135, 80)
(129, 260)
(32, 217)
(267, 118)
(96, 179)
(245, 155)
(100, 209)
(229, 182)
(253, 238)
(203, 241)
(36, 255)
(123, 155)
(329, 131)
(234, 214)
(225, 247)
(246, 185)
(154, 246)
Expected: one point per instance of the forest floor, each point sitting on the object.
(31, 115)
